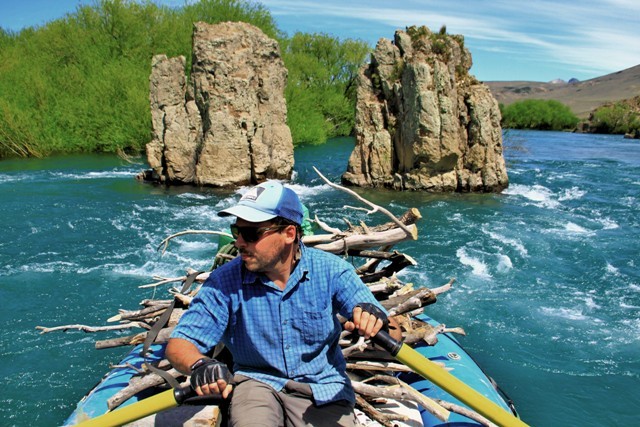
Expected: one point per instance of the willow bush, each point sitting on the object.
(321, 89)
(618, 118)
(81, 83)
(538, 114)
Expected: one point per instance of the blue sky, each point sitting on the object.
(538, 40)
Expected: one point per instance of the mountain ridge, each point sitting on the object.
(581, 97)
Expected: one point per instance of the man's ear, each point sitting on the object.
(291, 233)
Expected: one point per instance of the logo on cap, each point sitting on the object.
(253, 194)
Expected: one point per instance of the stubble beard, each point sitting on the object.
(255, 264)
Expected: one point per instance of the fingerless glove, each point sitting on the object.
(208, 371)
(375, 311)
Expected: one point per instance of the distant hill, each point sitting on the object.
(581, 97)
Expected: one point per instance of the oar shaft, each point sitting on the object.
(447, 382)
(135, 411)
(458, 389)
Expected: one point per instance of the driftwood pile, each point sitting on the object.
(371, 369)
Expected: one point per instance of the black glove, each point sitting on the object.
(208, 371)
(374, 310)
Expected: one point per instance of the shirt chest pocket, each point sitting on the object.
(317, 325)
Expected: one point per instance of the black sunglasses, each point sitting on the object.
(252, 234)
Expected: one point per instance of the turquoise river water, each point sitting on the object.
(547, 273)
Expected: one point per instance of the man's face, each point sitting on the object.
(263, 255)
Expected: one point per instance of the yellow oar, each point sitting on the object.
(405, 354)
(151, 405)
(443, 379)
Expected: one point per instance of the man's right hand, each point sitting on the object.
(208, 376)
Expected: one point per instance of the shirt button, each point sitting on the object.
(284, 322)
(288, 346)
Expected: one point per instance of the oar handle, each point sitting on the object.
(447, 382)
(182, 394)
(166, 400)
(188, 396)
(386, 341)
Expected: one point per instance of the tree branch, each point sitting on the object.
(366, 202)
(166, 241)
(85, 328)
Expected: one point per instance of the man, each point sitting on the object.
(274, 307)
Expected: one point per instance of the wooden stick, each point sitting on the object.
(165, 243)
(386, 285)
(388, 256)
(429, 334)
(324, 226)
(398, 262)
(372, 412)
(137, 384)
(148, 313)
(359, 346)
(444, 288)
(139, 314)
(200, 278)
(466, 412)
(163, 336)
(366, 202)
(411, 216)
(403, 392)
(85, 328)
(163, 281)
(410, 301)
(337, 245)
(184, 299)
(378, 366)
(120, 341)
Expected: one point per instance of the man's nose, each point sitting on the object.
(240, 243)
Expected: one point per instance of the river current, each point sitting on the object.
(547, 273)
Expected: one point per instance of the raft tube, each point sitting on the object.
(447, 351)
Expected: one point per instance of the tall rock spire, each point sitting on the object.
(227, 125)
(423, 122)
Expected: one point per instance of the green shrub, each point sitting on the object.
(81, 83)
(538, 114)
(618, 118)
(417, 33)
(321, 91)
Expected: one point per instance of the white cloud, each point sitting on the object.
(593, 34)
(543, 36)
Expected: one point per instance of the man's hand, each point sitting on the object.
(208, 376)
(368, 319)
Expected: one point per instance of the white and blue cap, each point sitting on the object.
(267, 201)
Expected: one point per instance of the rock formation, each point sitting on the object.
(228, 125)
(423, 122)
(177, 126)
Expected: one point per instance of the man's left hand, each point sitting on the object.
(367, 319)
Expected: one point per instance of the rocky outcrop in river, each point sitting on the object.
(423, 122)
(227, 125)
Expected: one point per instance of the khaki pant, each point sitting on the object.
(256, 404)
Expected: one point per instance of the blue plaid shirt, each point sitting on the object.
(279, 335)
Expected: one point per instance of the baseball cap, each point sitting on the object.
(267, 201)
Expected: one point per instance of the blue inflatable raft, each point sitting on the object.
(447, 351)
